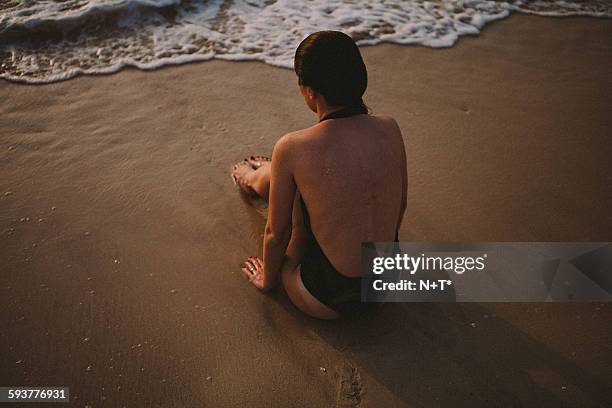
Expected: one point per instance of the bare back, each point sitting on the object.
(349, 174)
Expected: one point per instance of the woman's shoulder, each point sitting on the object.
(293, 138)
(300, 138)
(290, 143)
(297, 139)
(385, 118)
(389, 123)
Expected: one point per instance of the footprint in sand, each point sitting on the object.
(350, 390)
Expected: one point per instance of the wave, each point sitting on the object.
(52, 40)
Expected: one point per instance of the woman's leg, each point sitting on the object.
(256, 176)
(291, 272)
(259, 180)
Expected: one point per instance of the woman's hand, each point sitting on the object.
(253, 269)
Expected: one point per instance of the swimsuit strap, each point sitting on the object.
(345, 112)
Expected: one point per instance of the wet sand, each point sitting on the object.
(121, 232)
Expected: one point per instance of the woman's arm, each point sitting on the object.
(278, 227)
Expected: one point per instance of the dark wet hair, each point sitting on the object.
(330, 63)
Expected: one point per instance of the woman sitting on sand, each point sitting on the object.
(329, 187)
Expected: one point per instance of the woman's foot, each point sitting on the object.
(258, 161)
(241, 173)
(252, 175)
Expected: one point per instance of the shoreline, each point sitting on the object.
(142, 232)
(230, 57)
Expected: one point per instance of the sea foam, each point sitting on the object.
(46, 41)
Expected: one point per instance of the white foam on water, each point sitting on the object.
(48, 41)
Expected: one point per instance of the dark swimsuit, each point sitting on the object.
(339, 292)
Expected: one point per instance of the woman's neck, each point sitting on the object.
(323, 111)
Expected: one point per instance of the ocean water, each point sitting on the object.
(51, 40)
